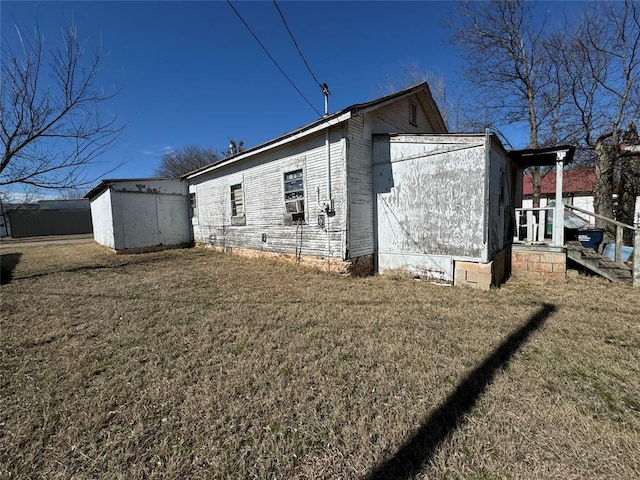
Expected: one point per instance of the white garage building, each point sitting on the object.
(138, 214)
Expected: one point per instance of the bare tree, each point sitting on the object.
(449, 103)
(601, 62)
(515, 80)
(51, 126)
(192, 157)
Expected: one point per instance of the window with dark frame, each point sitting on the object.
(413, 114)
(237, 203)
(294, 195)
(193, 203)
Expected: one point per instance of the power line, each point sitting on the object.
(272, 59)
(296, 44)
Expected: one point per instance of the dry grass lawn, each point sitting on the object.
(194, 364)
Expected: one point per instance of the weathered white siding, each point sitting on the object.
(148, 220)
(395, 118)
(134, 214)
(102, 219)
(360, 190)
(585, 203)
(391, 118)
(503, 177)
(351, 230)
(262, 179)
(430, 202)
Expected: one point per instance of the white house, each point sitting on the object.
(136, 214)
(374, 187)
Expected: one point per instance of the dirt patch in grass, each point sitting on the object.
(195, 364)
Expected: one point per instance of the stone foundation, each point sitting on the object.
(359, 266)
(539, 261)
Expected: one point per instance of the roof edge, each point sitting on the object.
(314, 127)
(541, 156)
(107, 182)
(320, 124)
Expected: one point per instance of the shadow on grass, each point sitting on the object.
(421, 447)
(91, 267)
(8, 264)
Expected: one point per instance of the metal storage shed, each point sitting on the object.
(137, 214)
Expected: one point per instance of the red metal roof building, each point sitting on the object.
(574, 181)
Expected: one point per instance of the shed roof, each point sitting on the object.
(537, 157)
(324, 122)
(108, 182)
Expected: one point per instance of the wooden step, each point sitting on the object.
(598, 264)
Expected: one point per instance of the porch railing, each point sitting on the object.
(532, 226)
(618, 245)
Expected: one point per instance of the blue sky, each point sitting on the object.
(191, 73)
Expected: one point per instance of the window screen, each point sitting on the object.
(294, 194)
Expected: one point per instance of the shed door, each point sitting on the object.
(400, 240)
(174, 225)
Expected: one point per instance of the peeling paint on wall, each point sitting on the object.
(430, 201)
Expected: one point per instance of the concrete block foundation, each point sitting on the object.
(483, 276)
(474, 275)
(539, 261)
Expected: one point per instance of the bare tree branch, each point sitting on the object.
(601, 62)
(508, 63)
(51, 129)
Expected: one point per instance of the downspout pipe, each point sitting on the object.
(325, 91)
(328, 207)
(327, 146)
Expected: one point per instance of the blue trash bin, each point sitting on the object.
(590, 237)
